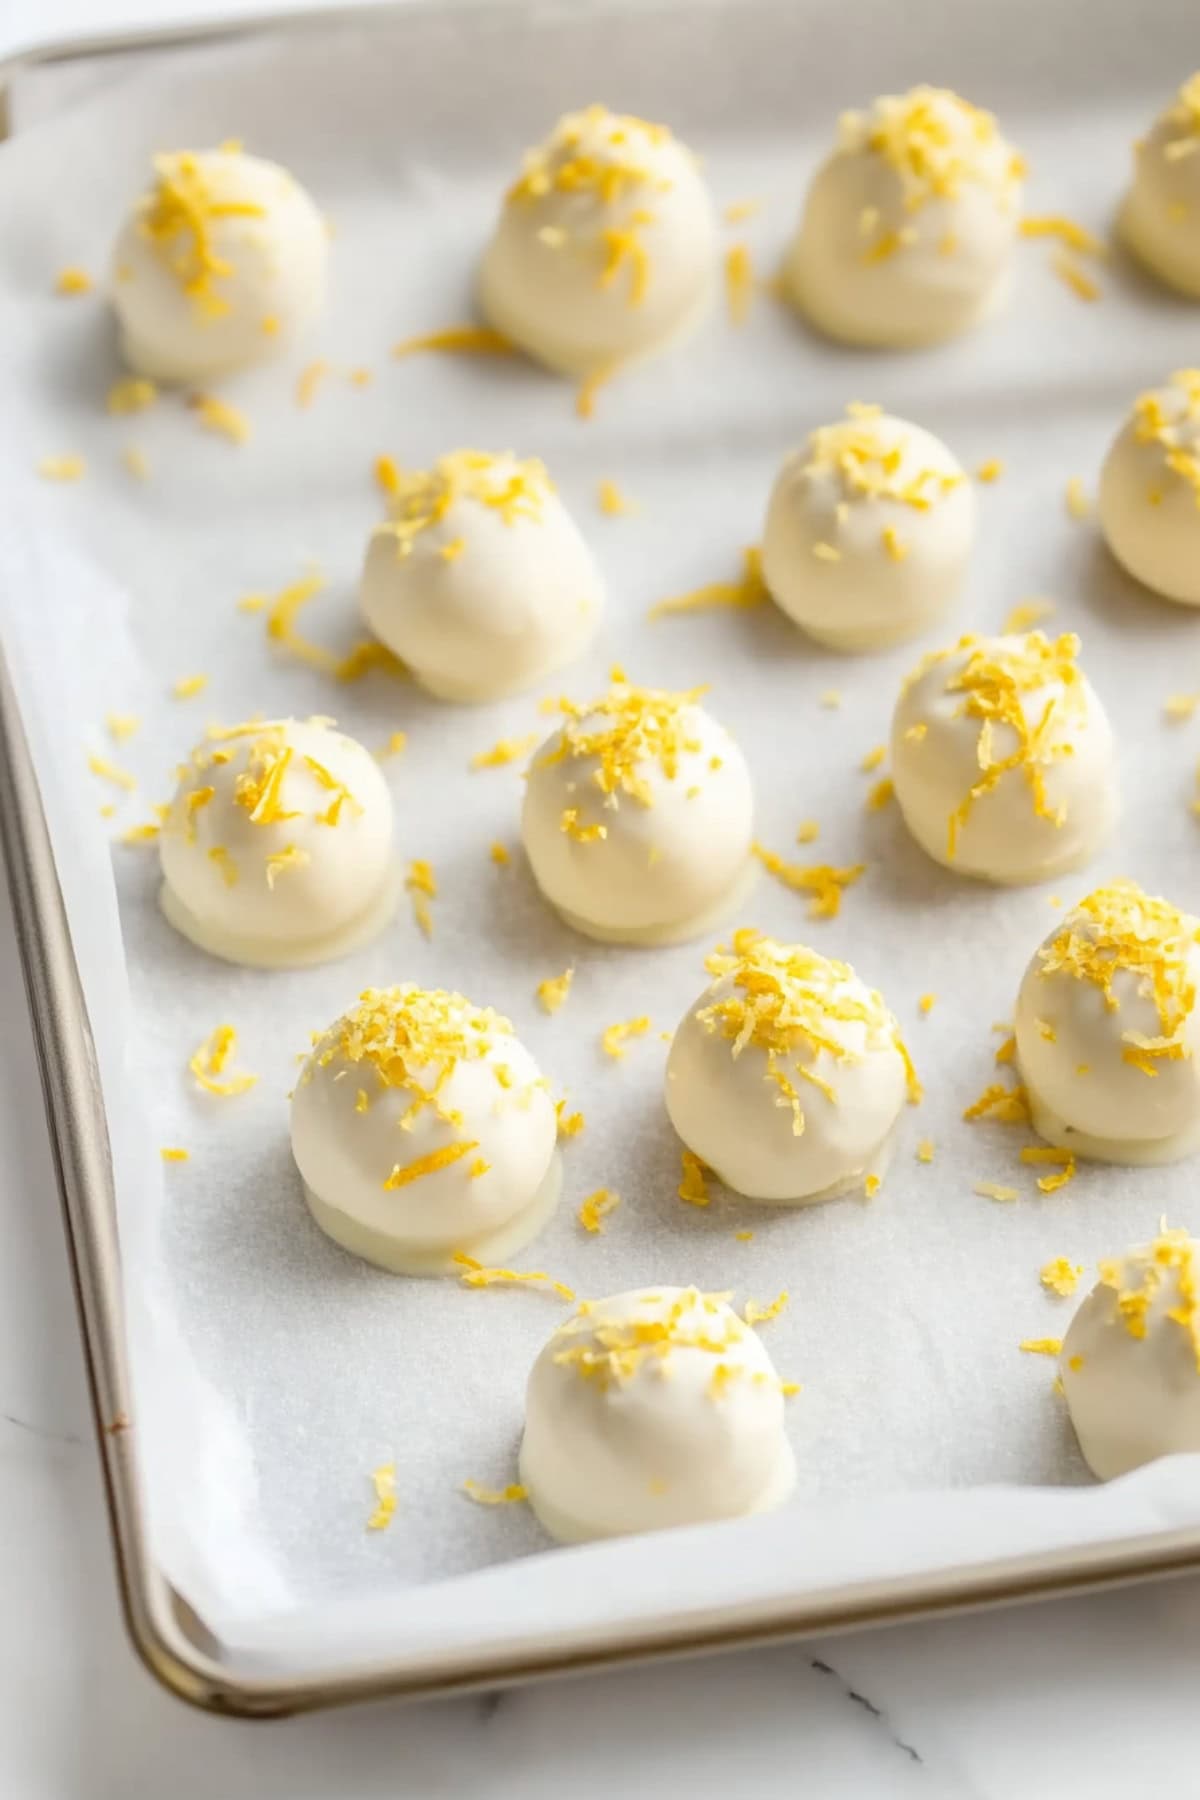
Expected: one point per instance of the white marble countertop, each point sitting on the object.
(1021, 1705)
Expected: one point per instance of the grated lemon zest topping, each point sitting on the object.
(870, 466)
(1060, 1275)
(109, 771)
(220, 417)
(1041, 1346)
(1075, 498)
(615, 1351)
(207, 1064)
(456, 340)
(1000, 1105)
(749, 590)
(508, 750)
(384, 1481)
(596, 1208)
(784, 999)
(990, 471)
(421, 499)
(873, 759)
(280, 861)
(1138, 1281)
(309, 380)
(738, 211)
(754, 1314)
(1120, 928)
(926, 1004)
(421, 884)
(925, 1150)
(73, 280)
(1066, 231)
(569, 1124)
(693, 1182)
(994, 681)
(824, 883)
(488, 1496)
(1071, 275)
(1064, 1161)
(993, 1190)
(1181, 706)
(134, 394)
(1025, 615)
(589, 387)
(283, 610)
(552, 993)
(880, 795)
(404, 1174)
(173, 1154)
(500, 855)
(474, 1275)
(395, 746)
(178, 216)
(188, 686)
(612, 501)
(624, 731)
(62, 468)
(613, 1038)
(739, 282)
(122, 726)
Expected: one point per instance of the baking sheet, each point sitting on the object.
(272, 1371)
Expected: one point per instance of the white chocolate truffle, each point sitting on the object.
(1107, 1030)
(868, 531)
(277, 847)
(653, 1409)
(1003, 759)
(908, 230)
(788, 1074)
(1130, 1362)
(605, 247)
(220, 265)
(422, 1130)
(479, 580)
(1150, 489)
(639, 817)
(1160, 219)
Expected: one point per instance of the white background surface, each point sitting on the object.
(1100, 1691)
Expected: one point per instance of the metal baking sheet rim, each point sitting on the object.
(169, 1637)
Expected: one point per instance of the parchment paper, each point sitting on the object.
(274, 1372)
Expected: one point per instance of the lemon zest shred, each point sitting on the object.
(456, 340)
(207, 1064)
(507, 750)
(552, 993)
(693, 1182)
(219, 417)
(384, 1481)
(1049, 1346)
(69, 467)
(749, 590)
(488, 1496)
(754, 1314)
(474, 1274)
(1060, 1275)
(171, 1153)
(596, 1208)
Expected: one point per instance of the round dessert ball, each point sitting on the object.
(638, 818)
(1107, 1031)
(1150, 490)
(868, 531)
(1003, 758)
(479, 579)
(1130, 1362)
(653, 1409)
(220, 265)
(422, 1130)
(788, 1074)
(605, 246)
(908, 229)
(277, 847)
(1160, 219)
